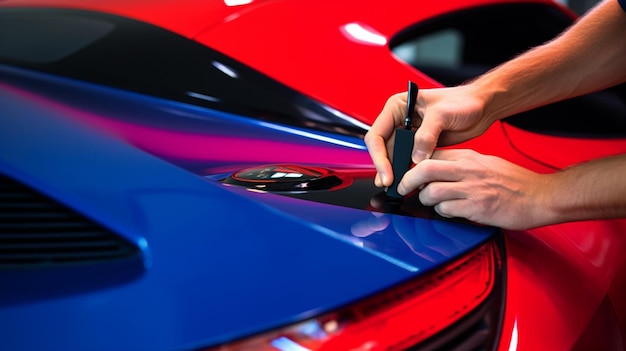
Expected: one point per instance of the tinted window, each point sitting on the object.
(136, 56)
(457, 47)
(45, 39)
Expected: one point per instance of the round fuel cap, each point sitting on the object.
(285, 178)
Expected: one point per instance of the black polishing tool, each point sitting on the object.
(403, 144)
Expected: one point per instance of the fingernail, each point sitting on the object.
(383, 177)
(419, 155)
(400, 190)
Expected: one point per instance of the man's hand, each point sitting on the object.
(484, 189)
(445, 116)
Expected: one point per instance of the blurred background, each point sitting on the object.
(579, 6)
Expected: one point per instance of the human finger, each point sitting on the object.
(437, 192)
(379, 139)
(425, 139)
(377, 149)
(453, 208)
(378, 181)
(453, 154)
(425, 172)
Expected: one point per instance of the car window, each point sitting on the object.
(457, 47)
(45, 39)
(443, 48)
(132, 55)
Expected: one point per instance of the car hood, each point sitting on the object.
(215, 262)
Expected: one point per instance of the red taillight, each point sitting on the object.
(393, 320)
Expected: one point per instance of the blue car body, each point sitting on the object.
(214, 262)
(168, 256)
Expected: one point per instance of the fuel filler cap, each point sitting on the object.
(285, 178)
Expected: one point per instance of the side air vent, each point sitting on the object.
(38, 232)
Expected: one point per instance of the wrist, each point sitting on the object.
(554, 202)
(567, 197)
(488, 95)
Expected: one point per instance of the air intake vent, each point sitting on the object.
(38, 232)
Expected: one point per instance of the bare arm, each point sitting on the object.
(592, 190)
(587, 57)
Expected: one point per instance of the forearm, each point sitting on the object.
(592, 190)
(587, 57)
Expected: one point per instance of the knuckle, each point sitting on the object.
(395, 99)
(428, 137)
(426, 167)
(368, 138)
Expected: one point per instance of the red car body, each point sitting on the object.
(566, 284)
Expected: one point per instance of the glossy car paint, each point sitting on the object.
(539, 319)
(357, 77)
(565, 283)
(315, 265)
(190, 136)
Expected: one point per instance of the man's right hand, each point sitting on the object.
(445, 116)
